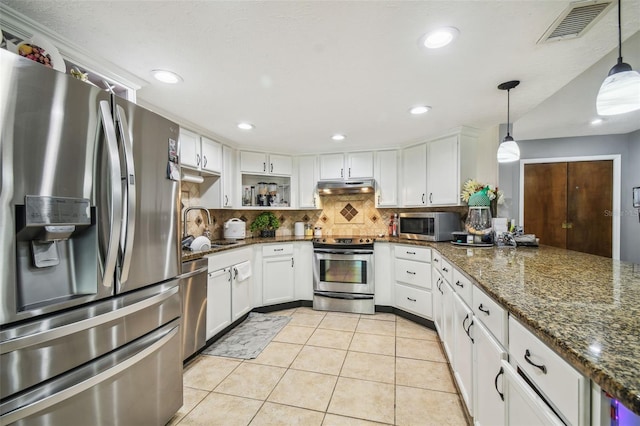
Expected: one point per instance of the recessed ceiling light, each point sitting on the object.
(439, 38)
(245, 126)
(419, 109)
(165, 76)
(338, 137)
(597, 121)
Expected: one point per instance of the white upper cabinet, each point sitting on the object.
(189, 149)
(414, 177)
(262, 163)
(211, 155)
(451, 160)
(307, 182)
(386, 175)
(442, 169)
(353, 165)
(200, 153)
(228, 164)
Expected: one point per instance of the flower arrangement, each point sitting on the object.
(471, 186)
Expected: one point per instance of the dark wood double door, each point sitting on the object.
(569, 205)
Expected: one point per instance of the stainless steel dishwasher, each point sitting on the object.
(193, 287)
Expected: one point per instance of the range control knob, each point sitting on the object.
(368, 240)
(324, 240)
(361, 240)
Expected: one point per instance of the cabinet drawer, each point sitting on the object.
(446, 270)
(462, 285)
(414, 273)
(564, 388)
(413, 300)
(492, 315)
(277, 249)
(420, 254)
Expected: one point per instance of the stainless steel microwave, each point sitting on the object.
(429, 226)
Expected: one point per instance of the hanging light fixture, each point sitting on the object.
(508, 150)
(620, 91)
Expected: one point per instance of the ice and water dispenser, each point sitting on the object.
(56, 244)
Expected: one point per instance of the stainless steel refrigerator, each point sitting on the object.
(89, 254)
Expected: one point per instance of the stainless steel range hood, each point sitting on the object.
(338, 187)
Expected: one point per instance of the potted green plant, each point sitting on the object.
(266, 223)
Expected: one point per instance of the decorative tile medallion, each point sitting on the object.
(348, 212)
(324, 218)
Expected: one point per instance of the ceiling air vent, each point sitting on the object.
(576, 19)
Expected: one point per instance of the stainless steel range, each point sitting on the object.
(343, 277)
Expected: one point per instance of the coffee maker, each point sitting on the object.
(262, 199)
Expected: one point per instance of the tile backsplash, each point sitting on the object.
(346, 215)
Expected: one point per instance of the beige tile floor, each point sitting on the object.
(328, 368)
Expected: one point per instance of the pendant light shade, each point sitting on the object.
(508, 151)
(620, 91)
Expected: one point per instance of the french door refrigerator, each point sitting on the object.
(90, 304)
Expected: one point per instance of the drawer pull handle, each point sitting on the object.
(495, 383)
(481, 309)
(444, 268)
(468, 329)
(280, 249)
(413, 300)
(459, 284)
(436, 260)
(527, 356)
(412, 273)
(411, 252)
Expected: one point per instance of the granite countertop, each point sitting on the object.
(585, 307)
(188, 255)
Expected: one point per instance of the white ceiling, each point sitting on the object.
(303, 70)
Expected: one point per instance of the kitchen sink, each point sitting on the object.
(223, 243)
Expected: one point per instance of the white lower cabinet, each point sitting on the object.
(229, 287)
(218, 301)
(447, 321)
(437, 281)
(412, 280)
(523, 406)
(489, 403)
(303, 263)
(278, 275)
(463, 341)
(413, 300)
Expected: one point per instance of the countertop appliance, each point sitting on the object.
(89, 254)
(193, 287)
(343, 274)
(234, 229)
(429, 226)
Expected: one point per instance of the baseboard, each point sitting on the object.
(407, 315)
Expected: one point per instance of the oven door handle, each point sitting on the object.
(350, 252)
(349, 296)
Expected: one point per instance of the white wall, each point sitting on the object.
(627, 145)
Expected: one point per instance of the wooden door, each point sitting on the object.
(565, 205)
(545, 202)
(589, 198)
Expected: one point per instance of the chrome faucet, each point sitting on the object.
(184, 217)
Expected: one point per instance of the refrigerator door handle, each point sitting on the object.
(128, 232)
(65, 330)
(72, 391)
(116, 193)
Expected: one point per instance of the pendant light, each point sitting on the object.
(508, 151)
(620, 91)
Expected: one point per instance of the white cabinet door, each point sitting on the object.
(332, 166)
(448, 340)
(211, 155)
(414, 176)
(303, 265)
(438, 294)
(240, 296)
(359, 165)
(280, 164)
(443, 184)
(489, 392)
(278, 283)
(463, 365)
(383, 274)
(308, 181)
(386, 175)
(523, 406)
(227, 177)
(253, 162)
(218, 301)
(189, 149)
